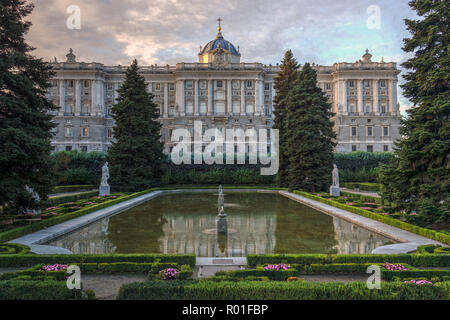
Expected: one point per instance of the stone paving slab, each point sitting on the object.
(408, 239)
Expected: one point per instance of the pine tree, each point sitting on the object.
(419, 178)
(136, 156)
(283, 82)
(25, 122)
(309, 134)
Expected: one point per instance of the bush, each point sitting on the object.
(69, 198)
(75, 188)
(8, 261)
(360, 166)
(364, 186)
(427, 249)
(37, 290)
(277, 275)
(13, 248)
(272, 290)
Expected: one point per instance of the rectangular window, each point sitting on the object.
(171, 86)
(267, 86)
(110, 133)
(328, 86)
(369, 148)
(68, 148)
(369, 131)
(219, 84)
(351, 83)
(85, 132)
(249, 84)
(383, 108)
(110, 86)
(189, 84)
(70, 83)
(158, 86)
(69, 132)
(171, 110)
(383, 83)
(353, 148)
(84, 148)
(54, 83)
(87, 84)
(367, 83)
(386, 131)
(353, 131)
(386, 148)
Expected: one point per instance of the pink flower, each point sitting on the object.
(349, 203)
(51, 208)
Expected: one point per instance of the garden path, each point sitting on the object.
(106, 286)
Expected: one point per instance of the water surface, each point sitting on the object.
(258, 223)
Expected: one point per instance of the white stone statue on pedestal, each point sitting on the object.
(335, 191)
(35, 198)
(104, 186)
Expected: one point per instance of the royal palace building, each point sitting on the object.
(223, 92)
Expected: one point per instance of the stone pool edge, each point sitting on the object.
(409, 241)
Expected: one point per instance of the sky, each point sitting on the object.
(164, 32)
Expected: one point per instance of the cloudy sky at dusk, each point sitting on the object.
(170, 31)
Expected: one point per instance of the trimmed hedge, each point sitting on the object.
(277, 275)
(19, 232)
(438, 236)
(37, 290)
(65, 189)
(363, 186)
(273, 290)
(8, 261)
(13, 248)
(307, 259)
(69, 198)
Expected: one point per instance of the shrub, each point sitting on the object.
(427, 249)
(272, 290)
(364, 186)
(278, 275)
(13, 248)
(37, 290)
(8, 261)
(73, 188)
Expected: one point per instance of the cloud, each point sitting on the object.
(170, 31)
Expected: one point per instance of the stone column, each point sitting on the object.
(243, 111)
(196, 98)
(210, 107)
(391, 95)
(376, 103)
(183, 99)
(394, 96)
(166, 100)
(344, 97)
(257, 104)
(78, 85)
(62, 97)
(93, 96)
(229, 98)
(101, 92)
(360, 96)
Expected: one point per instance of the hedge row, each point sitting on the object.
(69, 198)
(422, 260)
(8, 261)
(13, 248)
(64, 189)
(364, 186)
(438, 236)
(37, 290)
(276, 275)
(19, 232)
(274, 290)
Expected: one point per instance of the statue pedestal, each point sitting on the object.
(222, 225)
(104, 190)
(335, 191)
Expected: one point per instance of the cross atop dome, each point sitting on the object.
(219, 28)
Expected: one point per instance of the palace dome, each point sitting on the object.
(219, 42)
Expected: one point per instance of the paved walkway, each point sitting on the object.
(362, 193)
(106, 287)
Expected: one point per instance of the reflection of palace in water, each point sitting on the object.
(353, 239)
(247, 234)
(197, 234)
(92, 239)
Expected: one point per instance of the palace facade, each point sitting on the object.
(223, 92)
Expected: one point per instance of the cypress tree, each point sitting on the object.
(25, 122)
(283, 82)
(310, 136)
(136, 155)
(419, 178)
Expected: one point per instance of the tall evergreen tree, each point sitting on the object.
(25, 122)
(136, 156)
(419, 178)
(309, 134)
(283, 83)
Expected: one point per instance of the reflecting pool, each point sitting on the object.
(258, 223)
